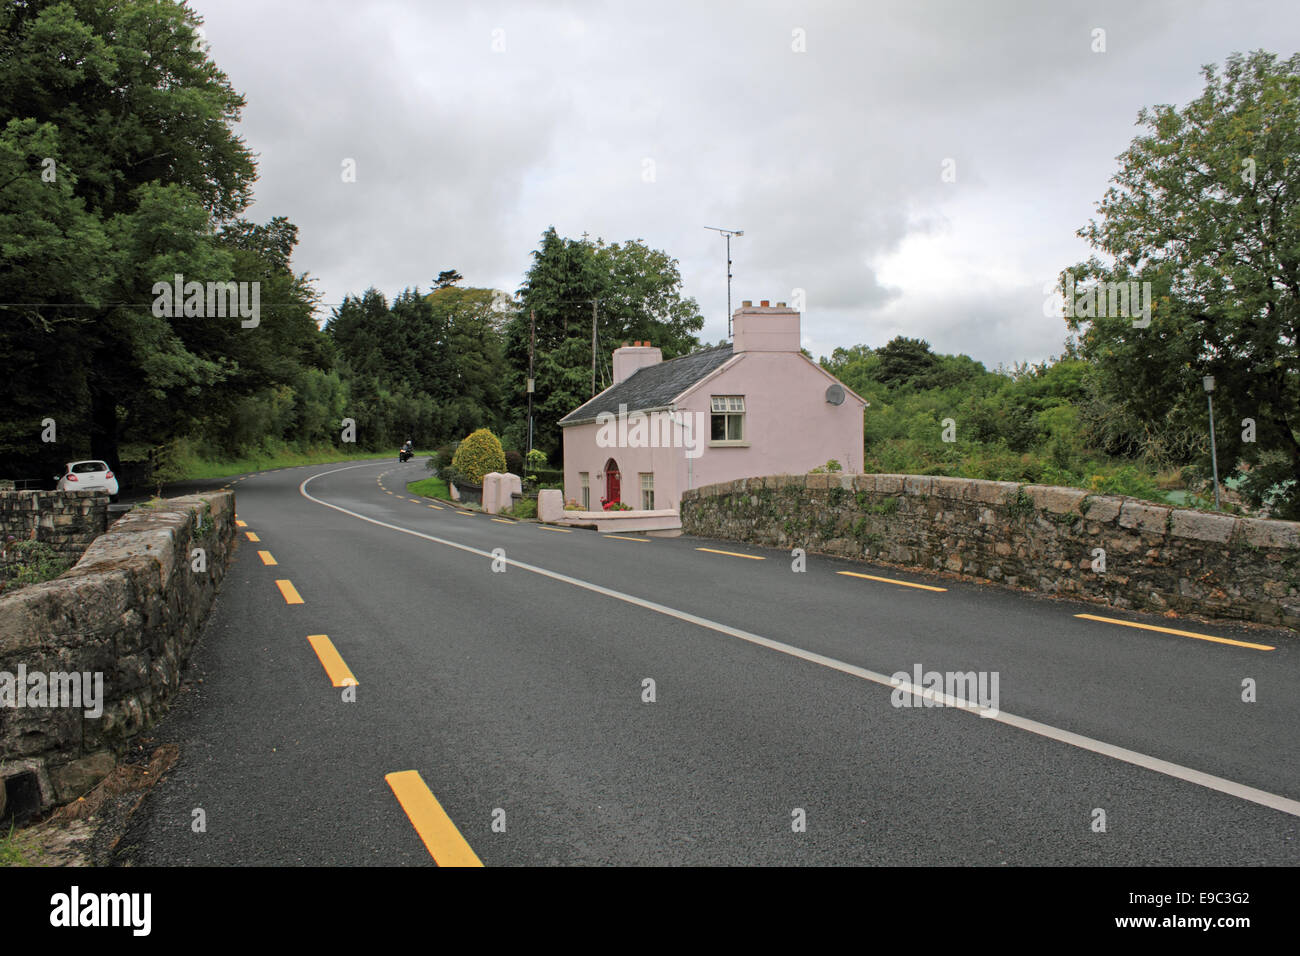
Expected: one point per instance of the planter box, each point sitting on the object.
(663, 519)
(472, 494)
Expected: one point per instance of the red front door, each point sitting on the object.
(613, 487)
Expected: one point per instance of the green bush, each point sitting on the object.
(525, 508)
(479, 454)
(1127, 480)
(441, 458)
(36, 562)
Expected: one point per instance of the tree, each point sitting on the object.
(442, 350)
(1206, 208)
(447, 278)
(637, 295)
(905, 361)
(137, 124)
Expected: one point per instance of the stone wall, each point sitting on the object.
(66, 520)
(131, 610)
(1034, 536)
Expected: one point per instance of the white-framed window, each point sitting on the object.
(727, 422)
(584, 479)
(647, 491)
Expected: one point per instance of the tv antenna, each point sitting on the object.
(728, 233)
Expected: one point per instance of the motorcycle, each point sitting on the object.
(405, 455)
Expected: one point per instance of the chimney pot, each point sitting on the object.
(747, 302)
(763, 303)
(780, 305)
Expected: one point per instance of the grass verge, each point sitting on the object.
(195, 468)
(430, 488)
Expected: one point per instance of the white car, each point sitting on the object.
(87, 476)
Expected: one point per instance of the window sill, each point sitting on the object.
(728, 444)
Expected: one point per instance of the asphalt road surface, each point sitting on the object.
(579, 698)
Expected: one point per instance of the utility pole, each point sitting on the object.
(728, 233)
(593, 348)
(532, 343)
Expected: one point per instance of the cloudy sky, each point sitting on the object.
(820, 129)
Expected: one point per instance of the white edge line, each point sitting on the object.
(1230, 787)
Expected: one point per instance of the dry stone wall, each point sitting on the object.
(68, 521)
(130, 610)
(1035, 536)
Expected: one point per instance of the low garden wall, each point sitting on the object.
(1034, 536)
(128, 614)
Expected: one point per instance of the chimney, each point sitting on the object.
(632, 357)
(765, 328)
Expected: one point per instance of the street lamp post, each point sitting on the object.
(1208, 383)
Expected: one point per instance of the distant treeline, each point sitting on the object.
(120, 170)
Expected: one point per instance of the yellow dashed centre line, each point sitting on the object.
(465, 514)
(291, 595)
(252, 536)
(734, 554)
(619, 537)
(266, 558)
(436, 507)
(906, 584)
(547, 527)
(503, 521)
(1170, 630)
(331, 660)
(440, 836)
(240, 524)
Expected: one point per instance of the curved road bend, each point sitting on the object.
(501, 715)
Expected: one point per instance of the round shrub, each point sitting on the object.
(479, 454)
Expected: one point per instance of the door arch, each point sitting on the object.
(613, 482)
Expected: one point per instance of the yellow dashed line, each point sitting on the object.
(465, 514)
(547, 527)
(619, 537)
(252, 536)
(331, 660)
(291, 595)
(436, 507)
(1170, 630)
(440, 836)
(240, 524)
(266, 557)
(906, 584)
(503, 521)
(734, 554)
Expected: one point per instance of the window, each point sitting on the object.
(647, 491)
(728, 420)
(584, 477)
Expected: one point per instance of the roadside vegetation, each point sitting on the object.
(430, 488)
(28, 562)
(1204, 210)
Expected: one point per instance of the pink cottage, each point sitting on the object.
(757, 406)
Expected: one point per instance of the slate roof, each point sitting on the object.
(653, 386)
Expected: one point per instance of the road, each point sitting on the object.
(503, 716)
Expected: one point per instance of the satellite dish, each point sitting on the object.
(835, 394)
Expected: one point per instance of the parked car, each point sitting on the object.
(87, 476)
